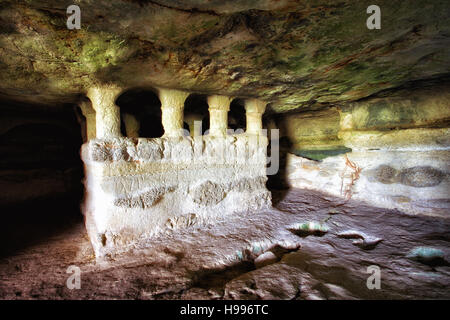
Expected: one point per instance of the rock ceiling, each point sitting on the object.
(294, 54)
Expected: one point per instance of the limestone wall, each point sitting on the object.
(136, 188)
(397, 153)
(414, 182)
(313, 134)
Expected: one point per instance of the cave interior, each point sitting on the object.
(225, 149)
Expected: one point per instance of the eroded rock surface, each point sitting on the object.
(364, 125)
(390, 151)
(292, 54)
(138, 188)
(217, 261)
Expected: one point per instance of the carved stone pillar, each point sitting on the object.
(254, 110)
(218, 114)
(172, 105)
(107, 112)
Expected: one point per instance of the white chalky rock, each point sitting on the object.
(139, 188)
(265, 259)
(107, 113)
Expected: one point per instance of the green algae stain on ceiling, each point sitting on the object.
(292, 55)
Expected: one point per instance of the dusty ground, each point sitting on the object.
(216, 262)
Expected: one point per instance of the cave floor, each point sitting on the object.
(217, 261)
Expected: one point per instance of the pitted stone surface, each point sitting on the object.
(138, 188)
(229, 149)
(385, 174)
(422, 176)
(208, 193)
(144, 200)
(218, 261)
(247, 184)
(419, 176)
(149, 149)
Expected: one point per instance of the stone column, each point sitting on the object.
(132, 125)
(254, 110)
(194, 122)
(89, 114)
(107, 117)
(218, 114)
(172, 105)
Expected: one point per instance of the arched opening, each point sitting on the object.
(236, 116)
(196, 109)
(140, 111)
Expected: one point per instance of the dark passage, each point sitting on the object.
(40, 173)
(145, 106)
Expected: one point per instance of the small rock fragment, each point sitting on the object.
(367, 244)
(265, 259)
(428, 255)
(334, 211)
(363, 241)
(351, 234)
(310, 228)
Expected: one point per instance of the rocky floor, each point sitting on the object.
(310, 246)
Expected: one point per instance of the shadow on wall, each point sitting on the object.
(312, 135)
(278, 181)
